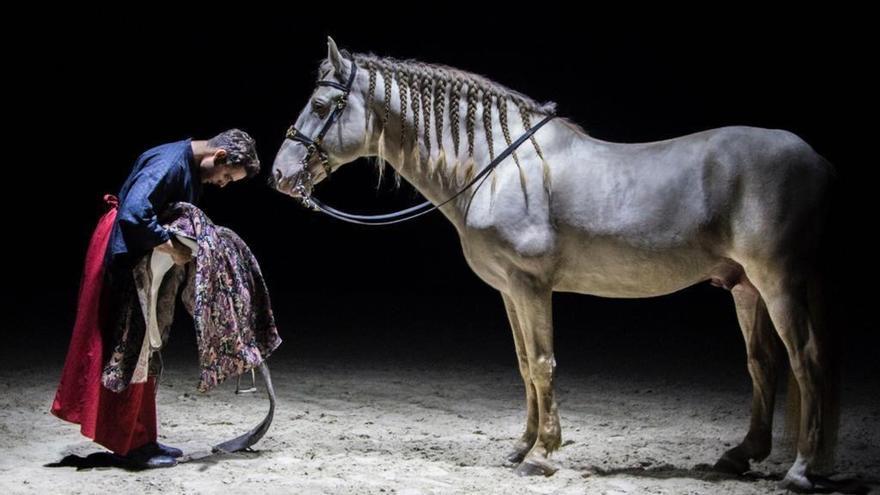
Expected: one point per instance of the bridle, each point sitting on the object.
(304, 184)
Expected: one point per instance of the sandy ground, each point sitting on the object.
(417, 428)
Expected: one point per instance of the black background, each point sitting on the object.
(90, 90)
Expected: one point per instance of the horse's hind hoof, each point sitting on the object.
(731, 465)
(821, 484)
(797, 483)
(533, 467)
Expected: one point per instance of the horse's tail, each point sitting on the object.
(827, 330)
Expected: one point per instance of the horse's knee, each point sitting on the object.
(542, 370)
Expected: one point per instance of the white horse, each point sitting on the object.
(741, 207)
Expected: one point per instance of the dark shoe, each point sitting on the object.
(167, 450)
(159, 461)
(139, 462)
(155, 448)
(150, 456)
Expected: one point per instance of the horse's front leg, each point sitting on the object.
(525, 443)
(531, 299)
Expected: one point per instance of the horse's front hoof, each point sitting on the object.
(731, 464)
(536, 467)
(514, 457)
(517, 454)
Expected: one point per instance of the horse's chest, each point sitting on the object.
(494, 257)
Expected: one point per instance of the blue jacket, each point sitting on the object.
(162, 175)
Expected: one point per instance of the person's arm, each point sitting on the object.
(137, 213)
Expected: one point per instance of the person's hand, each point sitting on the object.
(179, 253)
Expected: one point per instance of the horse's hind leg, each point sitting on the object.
(786, 295)
(763, 352)
(524, 444)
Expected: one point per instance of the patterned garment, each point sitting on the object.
(225, 293)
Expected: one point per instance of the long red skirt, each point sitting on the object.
(119, 421)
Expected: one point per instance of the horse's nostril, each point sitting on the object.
(277, 174)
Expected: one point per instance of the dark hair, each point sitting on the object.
(240, 150)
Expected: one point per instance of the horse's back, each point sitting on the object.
(667, 189)
(679, 208)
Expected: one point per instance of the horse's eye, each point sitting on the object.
(319, 107)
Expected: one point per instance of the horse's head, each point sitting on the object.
(330, 130)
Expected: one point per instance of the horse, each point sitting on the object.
(741, 207)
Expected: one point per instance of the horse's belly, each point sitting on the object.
(610, 270)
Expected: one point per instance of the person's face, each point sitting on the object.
(214, 171)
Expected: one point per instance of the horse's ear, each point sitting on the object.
(334, 56)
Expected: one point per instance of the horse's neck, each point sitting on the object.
(429, 171)
(438, 172)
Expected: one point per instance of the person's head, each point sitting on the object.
(228, 157)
